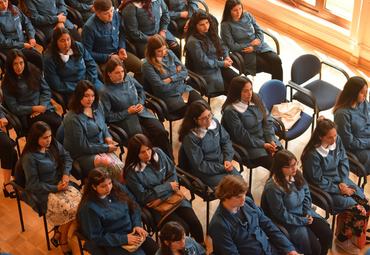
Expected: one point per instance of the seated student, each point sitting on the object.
(27, 94)
(241, 33)
(289, 203)
(109, 217)
(8, 157)
(352, 115)
(239, 225)
(145, 18)
(86, 135)
(207, 145)
(166, 75)
(46, 166)
(174, 241)
(123, 99)
(152, 178)
(67, 63)
(47, 15)
(249, 123)
(181, 12)
(210, 57)
(103, 36)
(12, 24)
(85, 7)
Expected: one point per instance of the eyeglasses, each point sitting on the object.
(208, 117)
(291, 167)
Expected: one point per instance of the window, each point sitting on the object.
(338, 12)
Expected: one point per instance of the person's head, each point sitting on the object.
(198, 115)
(233, 10)
(139, 150)
(16, 63)
(232, 191)
(114, 71)
(104, 10)
(3, 5)
(99, 183)
(172, 238)
(156, 49)
(353, 93)
(84, 96)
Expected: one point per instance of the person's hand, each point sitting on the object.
(162, 33)
(228, 62)
(114, 56)
(132, 109)
(178, 69)
(154, 203)
(112, 147)
(228, 166)
(3, 122)
(248, 50)
(133, 239)
(256, 42)
(65, 179)
(92, 8)
(122, 54)
(34, 114)
(142, 233)
(28, 46)
(320, 118)
(175, 186)
(184, 14)
(139, 108)
(59, 24)
(292, 253)
(39, 108)
(62, 186)
(311, 219)
(32, 42)
(62, 18)
(167, 80)
(347, 191)
(270, 148)
(108, 140)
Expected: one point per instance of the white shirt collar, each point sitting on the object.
(201, 132)
(324, 152)
(241, 107)
(65, 58)
(142, 165)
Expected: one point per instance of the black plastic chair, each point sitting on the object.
(318, 94)
(358, 169)
(274, 92)
(2, 64)
(93, 249)
(74, 16)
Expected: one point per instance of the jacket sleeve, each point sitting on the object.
(222, 240)
(307, 202)
(191, 7)
(227, 37)
(183, 74)
(91, 71)
(66, 159)
(110, 115)
(237, 129)
(197, 54)
(165, 18)
(14, 106)
(226, 144)
(88, 40)
(196, 157)
(122, 37)
(268, 130)
(277, 207)
(51, 76)
(140, 90)
(45, 93)
(37, 18)
(27, 26)
(136, 216)
(342, 119)
(131, 25)
(343, 165)
(29, 165)
(79, 6)
(225, 49)
(7, 43)
(313, 169)
(62, 8)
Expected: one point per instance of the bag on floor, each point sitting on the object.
(359, 241)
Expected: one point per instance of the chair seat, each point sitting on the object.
(325, 94)
(174, 117)
(302, 124)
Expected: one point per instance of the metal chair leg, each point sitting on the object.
(46, 232)
(250, 178)
(207, 218)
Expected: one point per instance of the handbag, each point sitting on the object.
(169, 205)
(288, 113)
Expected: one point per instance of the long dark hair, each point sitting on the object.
(75, 101)
(32, 145)
(133, 151)
(146, 5)
(31, 74)
(193, 112)
(54, 49)
(95, 177)
(110, 66)
(322, 128)
(171, 232)
(198, 16)
(348, 96)
(234, 95)
(282, 159)
(229, 5)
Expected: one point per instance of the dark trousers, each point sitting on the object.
(50, 118)
(320, 236)
(149, 246)
(265, 161)
(156, 133)
(193, 96)
(228, 74)
(8, 154)
(187, 218)
(270, 62)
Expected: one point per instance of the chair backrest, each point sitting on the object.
(273, 92)
(146, 86)
(20, 178)
(60, 134)
(264, 204)
(304, 68)
(183, 160)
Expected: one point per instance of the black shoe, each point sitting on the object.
(53, 240)
(7, 193)
(66, 252)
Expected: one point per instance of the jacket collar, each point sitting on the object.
(200, 132)
(142, 165)
(324, 152)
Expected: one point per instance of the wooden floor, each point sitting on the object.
(32, 241)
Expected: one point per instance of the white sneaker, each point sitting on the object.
(347, 246)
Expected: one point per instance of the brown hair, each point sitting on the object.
(229, 5)
(102, 5)
(231, 186)
(74, 104)
(11, 8)
(110, 66)
(155, 42)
